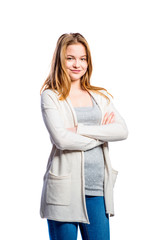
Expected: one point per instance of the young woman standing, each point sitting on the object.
(81, 119)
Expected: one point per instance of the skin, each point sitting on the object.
(76, 60)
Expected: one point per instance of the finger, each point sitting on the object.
(109, 118)
(112, 119)
(105, 118)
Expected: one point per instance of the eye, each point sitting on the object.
(83, 59)
(69, 58)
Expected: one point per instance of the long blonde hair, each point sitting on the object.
(58, 78)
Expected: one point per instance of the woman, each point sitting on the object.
(81, 119)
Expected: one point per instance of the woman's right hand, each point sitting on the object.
(108, 118)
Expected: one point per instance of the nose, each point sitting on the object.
(76, 63)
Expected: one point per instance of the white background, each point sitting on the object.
(127, 41)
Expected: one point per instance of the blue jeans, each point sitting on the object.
(98, 229)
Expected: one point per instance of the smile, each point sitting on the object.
(76, 71)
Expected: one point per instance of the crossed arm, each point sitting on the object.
(108, 118)
(83, 137)
(59, 135)
(113, 127)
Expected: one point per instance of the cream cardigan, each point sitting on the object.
(63, 195)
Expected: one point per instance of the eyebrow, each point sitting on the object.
(73, 56)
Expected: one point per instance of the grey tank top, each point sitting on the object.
(93, 158)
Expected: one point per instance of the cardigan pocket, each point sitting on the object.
(114, 176)
(58, 190)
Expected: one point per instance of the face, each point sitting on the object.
(76, 61)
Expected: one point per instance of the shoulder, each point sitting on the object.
(49, 97)
(49, 93)
(103, 98)
(106, 93)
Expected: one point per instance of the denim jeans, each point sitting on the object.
(98, 229)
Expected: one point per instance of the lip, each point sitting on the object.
(76, 71)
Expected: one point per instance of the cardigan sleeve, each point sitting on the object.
(59, 135)
(115, 131)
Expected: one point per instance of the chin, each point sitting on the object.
(75, 78)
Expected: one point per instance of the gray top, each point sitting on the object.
(93, 158)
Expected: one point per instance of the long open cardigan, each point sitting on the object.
(63, 194)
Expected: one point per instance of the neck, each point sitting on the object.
(75, 86)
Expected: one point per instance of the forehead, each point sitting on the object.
(76, 49)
